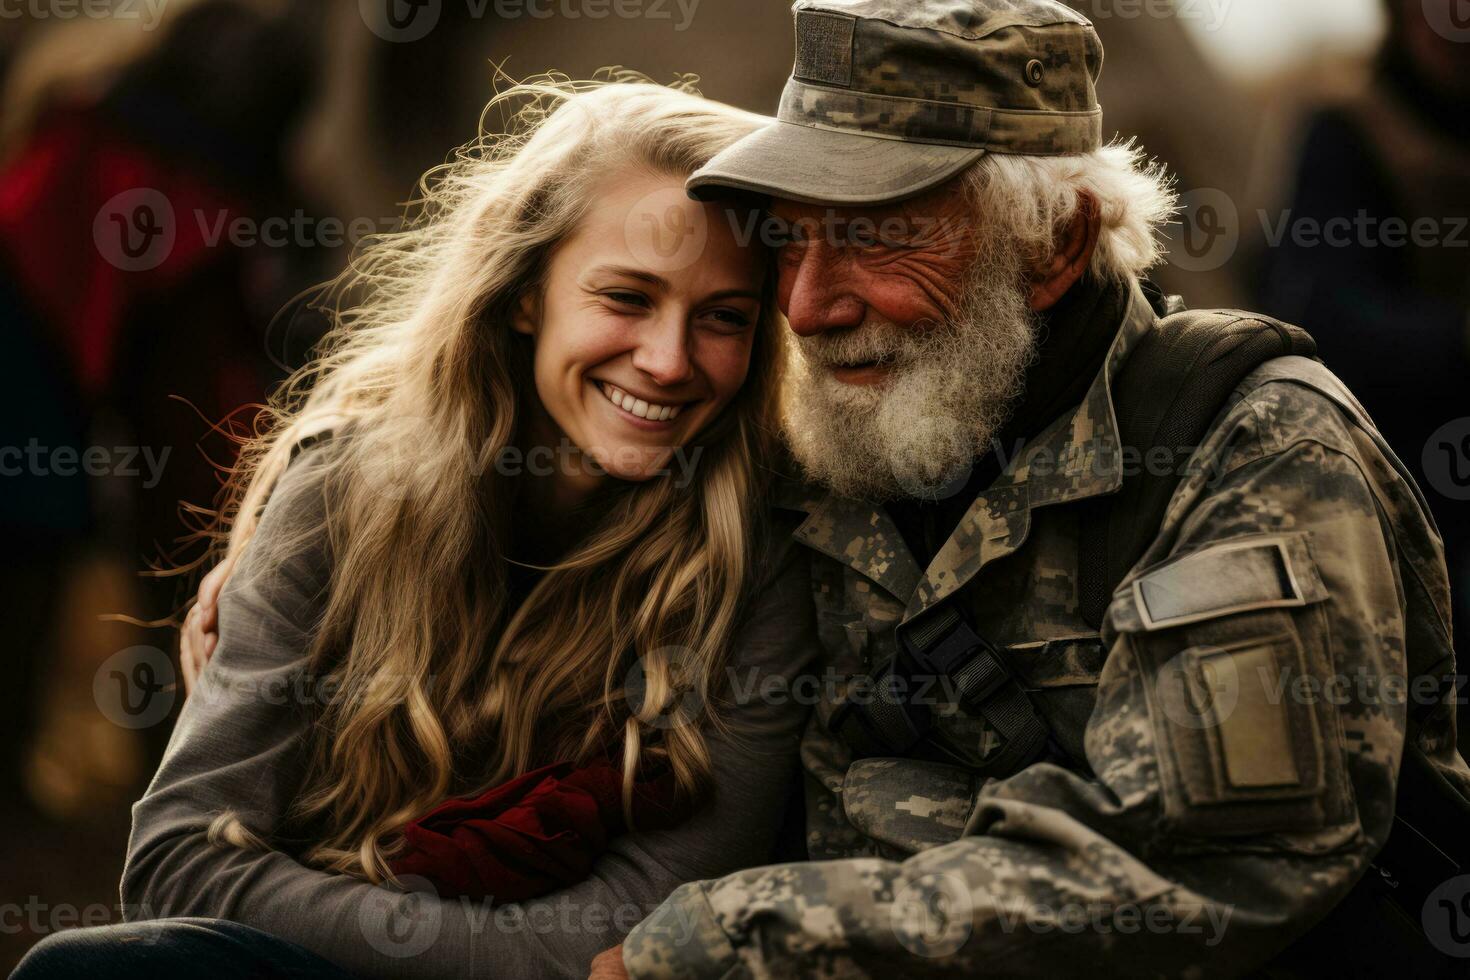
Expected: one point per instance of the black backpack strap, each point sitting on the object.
(1171, 388)
(1167, 395)
(890, 720)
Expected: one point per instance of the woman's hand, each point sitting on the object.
(608, 965)
(200, 631)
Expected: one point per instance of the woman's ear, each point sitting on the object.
(528, 313)
(1075, 248)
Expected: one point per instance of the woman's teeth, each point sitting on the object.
(637, 406)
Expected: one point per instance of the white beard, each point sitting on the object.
(949, 390)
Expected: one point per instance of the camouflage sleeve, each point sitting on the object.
(1243, 757)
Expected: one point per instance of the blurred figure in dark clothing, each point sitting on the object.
(1388, 298)
(124, 280)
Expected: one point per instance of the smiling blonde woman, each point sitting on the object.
(512, 517)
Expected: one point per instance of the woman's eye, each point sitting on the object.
(731, 321)
(627, 299)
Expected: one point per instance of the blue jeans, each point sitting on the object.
(172, 949)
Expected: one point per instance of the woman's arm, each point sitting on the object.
(240, 745)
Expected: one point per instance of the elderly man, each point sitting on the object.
(1130, 781)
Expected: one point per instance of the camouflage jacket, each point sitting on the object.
(1229, 742)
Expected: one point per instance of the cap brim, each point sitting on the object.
(823, 166)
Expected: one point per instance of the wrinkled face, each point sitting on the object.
(644, 327)
(914, 334)
(902, 264)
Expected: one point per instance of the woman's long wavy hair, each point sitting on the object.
(441, 687)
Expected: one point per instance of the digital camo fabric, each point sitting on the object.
(929, 64)
(1228, 743)
(888, 98)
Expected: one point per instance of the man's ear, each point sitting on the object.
(528, 313)
(1074, 252)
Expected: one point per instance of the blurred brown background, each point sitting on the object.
(308, 122)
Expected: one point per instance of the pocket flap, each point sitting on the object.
(1266, 571)
(908, 803)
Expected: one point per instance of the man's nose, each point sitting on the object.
(663, 351)
(816, 292)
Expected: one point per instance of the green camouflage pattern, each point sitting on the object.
(888, 98)
(968, 19)
(949, 73)
(1201, 811)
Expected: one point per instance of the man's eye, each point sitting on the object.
(874, 241)
(786, 237)
(791, 253)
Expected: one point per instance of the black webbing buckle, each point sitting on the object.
(883, 723)
(948, 647)
(942, 645)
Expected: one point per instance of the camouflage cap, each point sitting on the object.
(889, 98)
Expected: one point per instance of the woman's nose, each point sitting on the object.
(663, 352)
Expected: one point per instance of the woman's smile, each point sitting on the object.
(646, 413)
(666, 346)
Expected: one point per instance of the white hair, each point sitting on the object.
(1039, 196)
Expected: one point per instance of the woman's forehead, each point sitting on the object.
(650, 223)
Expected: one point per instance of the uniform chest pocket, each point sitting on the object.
(1224, 636)
(855, 621)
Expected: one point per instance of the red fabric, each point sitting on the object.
(532, 835)
(52, 194)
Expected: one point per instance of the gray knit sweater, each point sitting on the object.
(240, 746)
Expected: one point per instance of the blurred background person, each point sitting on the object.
(127, 149)
(128, 156)
(1388, 300)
